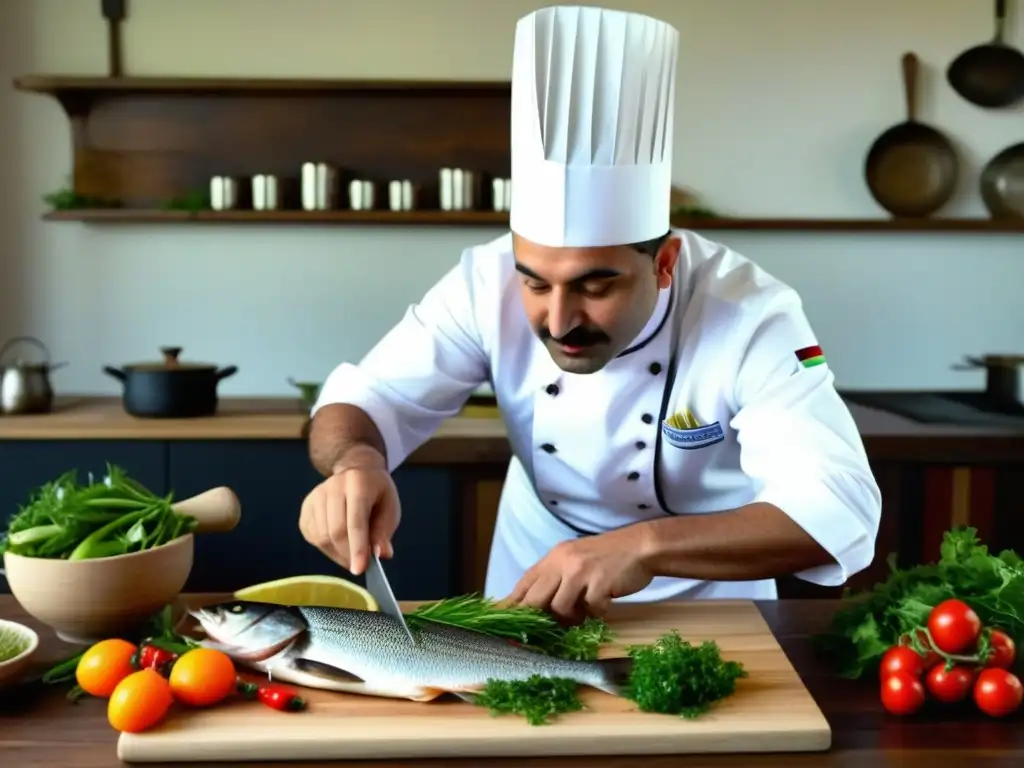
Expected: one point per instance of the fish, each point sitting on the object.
(367, 652)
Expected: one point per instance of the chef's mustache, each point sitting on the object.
(577, 337)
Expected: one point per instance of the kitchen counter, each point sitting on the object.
(465, 439)
(39, 727)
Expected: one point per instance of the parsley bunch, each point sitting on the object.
(870, 622)
(673, 677)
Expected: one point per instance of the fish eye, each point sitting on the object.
(237, 608)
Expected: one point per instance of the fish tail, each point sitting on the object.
(613, 674)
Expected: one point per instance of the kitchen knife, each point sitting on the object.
(378, 586)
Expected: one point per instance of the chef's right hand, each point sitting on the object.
(353, 510)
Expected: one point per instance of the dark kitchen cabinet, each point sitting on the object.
(271, 478)
(28, 464)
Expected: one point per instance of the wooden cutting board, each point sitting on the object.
(770, 711)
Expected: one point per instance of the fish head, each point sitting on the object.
(250, 630)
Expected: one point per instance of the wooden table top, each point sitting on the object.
(467, 439)
(39, 727)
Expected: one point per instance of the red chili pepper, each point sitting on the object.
(281, 698)
(152, 657)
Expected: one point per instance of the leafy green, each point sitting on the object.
(537, 698)
(674, 677)
(113, 516)
(871, 621)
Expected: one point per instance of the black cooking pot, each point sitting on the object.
(171, 389)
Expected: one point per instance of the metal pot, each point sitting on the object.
(25, 387)
(170, 389)
(1004, 385)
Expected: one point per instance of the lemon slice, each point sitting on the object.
(315, 590)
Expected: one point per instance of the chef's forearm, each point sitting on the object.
(343, 435)
(757, 541)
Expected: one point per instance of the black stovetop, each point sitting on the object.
(957, 407)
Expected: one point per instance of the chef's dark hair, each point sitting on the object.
(651, 247)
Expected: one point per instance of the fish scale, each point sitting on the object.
(368, 652)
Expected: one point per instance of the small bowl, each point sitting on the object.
(11, 670)
(85, 601)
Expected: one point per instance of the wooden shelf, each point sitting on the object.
(141, 143)
(394, 218)
(144, 141)
(65, 84)
(500, 218)
(980, 225)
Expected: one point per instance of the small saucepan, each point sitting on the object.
(170, 389)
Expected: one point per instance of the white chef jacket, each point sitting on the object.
(592, 452)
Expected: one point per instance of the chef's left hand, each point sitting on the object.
(580, 578)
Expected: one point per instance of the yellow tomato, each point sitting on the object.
(203, 676)
(104, 665)
(140, 701)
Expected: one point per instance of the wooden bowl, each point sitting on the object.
(85, 601)
(12, 670)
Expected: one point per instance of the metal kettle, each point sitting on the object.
(25, 387)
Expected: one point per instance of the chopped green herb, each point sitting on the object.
(530, 627)
(537, 698)
(583, 642)
(673, 677)
(871, 621)
(113, 516)
(12, 643)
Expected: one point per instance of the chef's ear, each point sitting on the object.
(665, 260)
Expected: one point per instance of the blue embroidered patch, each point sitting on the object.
(691, 439)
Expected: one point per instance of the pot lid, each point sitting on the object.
(999, 360)
(170, 363)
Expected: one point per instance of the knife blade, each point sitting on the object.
(377, 585)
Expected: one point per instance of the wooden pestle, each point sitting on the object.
(216, 510)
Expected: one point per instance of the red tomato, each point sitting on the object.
(949, 685)
(954, 626)
(1004, 651)
(901, 658)
(902, 693)
(998, 692)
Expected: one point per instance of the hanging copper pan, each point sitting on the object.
(911, 169)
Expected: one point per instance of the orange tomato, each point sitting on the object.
(203, 676)
(140, 701)
(104, 665)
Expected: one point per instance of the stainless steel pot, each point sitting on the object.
(25, 387)
(1004, 385)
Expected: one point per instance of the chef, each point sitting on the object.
(674, 424)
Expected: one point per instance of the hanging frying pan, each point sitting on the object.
(911, 169)
(990, 75)
(1002, 183)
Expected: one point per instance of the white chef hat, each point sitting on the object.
(593, 98)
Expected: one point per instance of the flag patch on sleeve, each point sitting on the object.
(810, 356)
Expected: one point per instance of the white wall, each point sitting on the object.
(778, 103)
